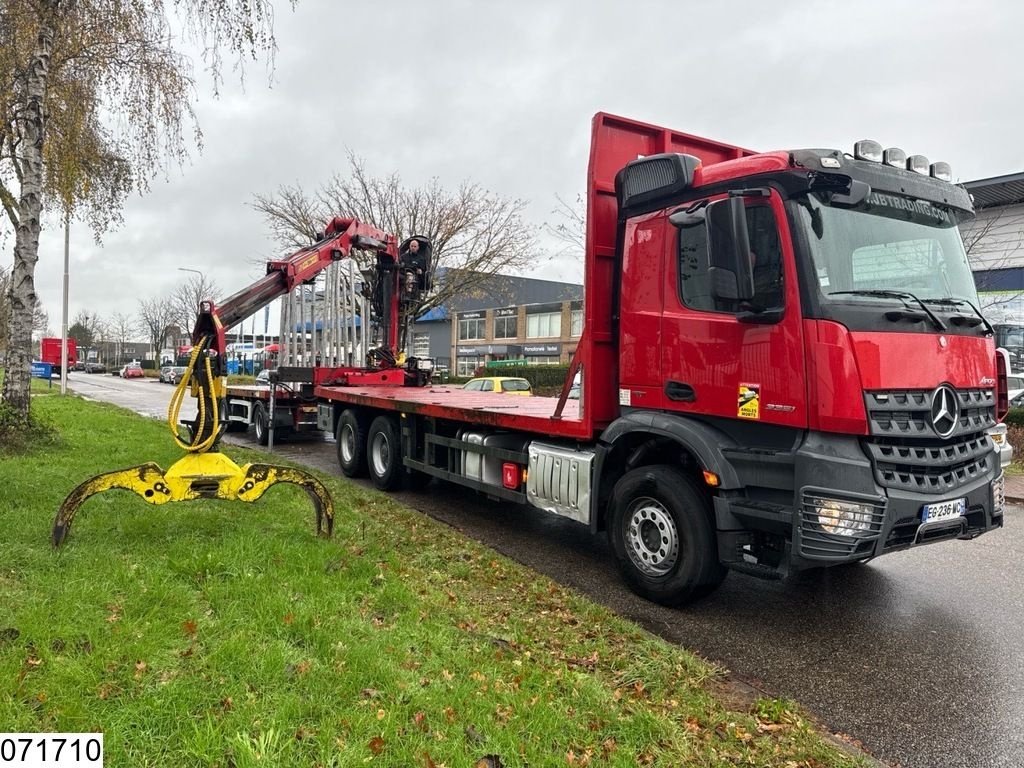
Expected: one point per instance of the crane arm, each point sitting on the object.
(341, 236)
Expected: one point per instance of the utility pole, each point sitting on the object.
(64, 311)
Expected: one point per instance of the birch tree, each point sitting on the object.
(95, 100)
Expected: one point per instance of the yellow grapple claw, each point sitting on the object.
(197, 476)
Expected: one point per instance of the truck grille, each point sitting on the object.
(908, 454)
(907, 413)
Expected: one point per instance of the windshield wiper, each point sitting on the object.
(951, 301)
(896, 295)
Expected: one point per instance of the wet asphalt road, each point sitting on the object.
(917, 655)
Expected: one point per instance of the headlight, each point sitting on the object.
(942, 171)
(868, 150)
(844, 518)
(895, 157)
(918, 164)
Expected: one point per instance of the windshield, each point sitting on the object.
(887, 243)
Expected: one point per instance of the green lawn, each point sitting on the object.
(215, 633)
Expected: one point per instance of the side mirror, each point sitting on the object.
(730, 273)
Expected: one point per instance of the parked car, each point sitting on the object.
(132, 372)
(78, 366)
(95, 368)
(175, 373)
(506, 384)
(574, 390)
(164, 370)
(1015, 386)
(263, 377)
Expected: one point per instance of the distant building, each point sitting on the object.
(995, 245)
(505, 318)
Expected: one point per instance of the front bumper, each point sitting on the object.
(836, 469)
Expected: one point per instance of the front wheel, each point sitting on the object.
(384, 454)
(663, 537)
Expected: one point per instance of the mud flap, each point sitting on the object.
(197, 476)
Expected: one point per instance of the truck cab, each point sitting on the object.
(800, 331)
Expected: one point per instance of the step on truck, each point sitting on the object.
(783, 367)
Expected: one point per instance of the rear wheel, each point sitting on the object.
(384, 454)
(350, 440)
(261, 423)
(663, 537)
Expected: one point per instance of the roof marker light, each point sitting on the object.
(868, 150)
(918, 164)
(942, 172)
(895, 157)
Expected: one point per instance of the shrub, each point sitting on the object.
(1015, 434)
(537, 375)
(1015, 417)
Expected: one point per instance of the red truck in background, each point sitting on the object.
(49, 352)
(783, 368)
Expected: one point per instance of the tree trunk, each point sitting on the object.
(22, 292)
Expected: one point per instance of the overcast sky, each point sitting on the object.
(503, 93)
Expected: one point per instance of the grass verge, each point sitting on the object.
(216, 633)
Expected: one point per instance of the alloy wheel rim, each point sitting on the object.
(652, 539)
(381, 454)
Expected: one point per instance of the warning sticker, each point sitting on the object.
(748, 404)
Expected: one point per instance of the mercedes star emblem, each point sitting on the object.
(945, 411)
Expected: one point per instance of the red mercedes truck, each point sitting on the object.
(783, 368)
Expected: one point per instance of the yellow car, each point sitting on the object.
(506, 384)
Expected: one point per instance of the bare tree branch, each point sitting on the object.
(475, 233)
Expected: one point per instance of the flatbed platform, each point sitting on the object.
(492, 409)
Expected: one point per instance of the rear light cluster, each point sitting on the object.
(894, 156)
(512, 475)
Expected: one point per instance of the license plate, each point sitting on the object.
(943, 510)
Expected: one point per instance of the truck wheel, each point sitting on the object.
(384, 454)
(351, 444)
(663, 537)
(261, 423)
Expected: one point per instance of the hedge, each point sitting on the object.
(1015, 417)
(537, 375)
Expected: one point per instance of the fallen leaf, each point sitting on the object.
(369, 693)
(140, 668)
(489, 761)
(428, 761)
(288, 618)
(420, 719)
(381, 714)
(376, 745)
(189, 627)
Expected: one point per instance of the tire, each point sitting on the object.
(663, 537)
(384, 454)
(261, 424)
(350, 441)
